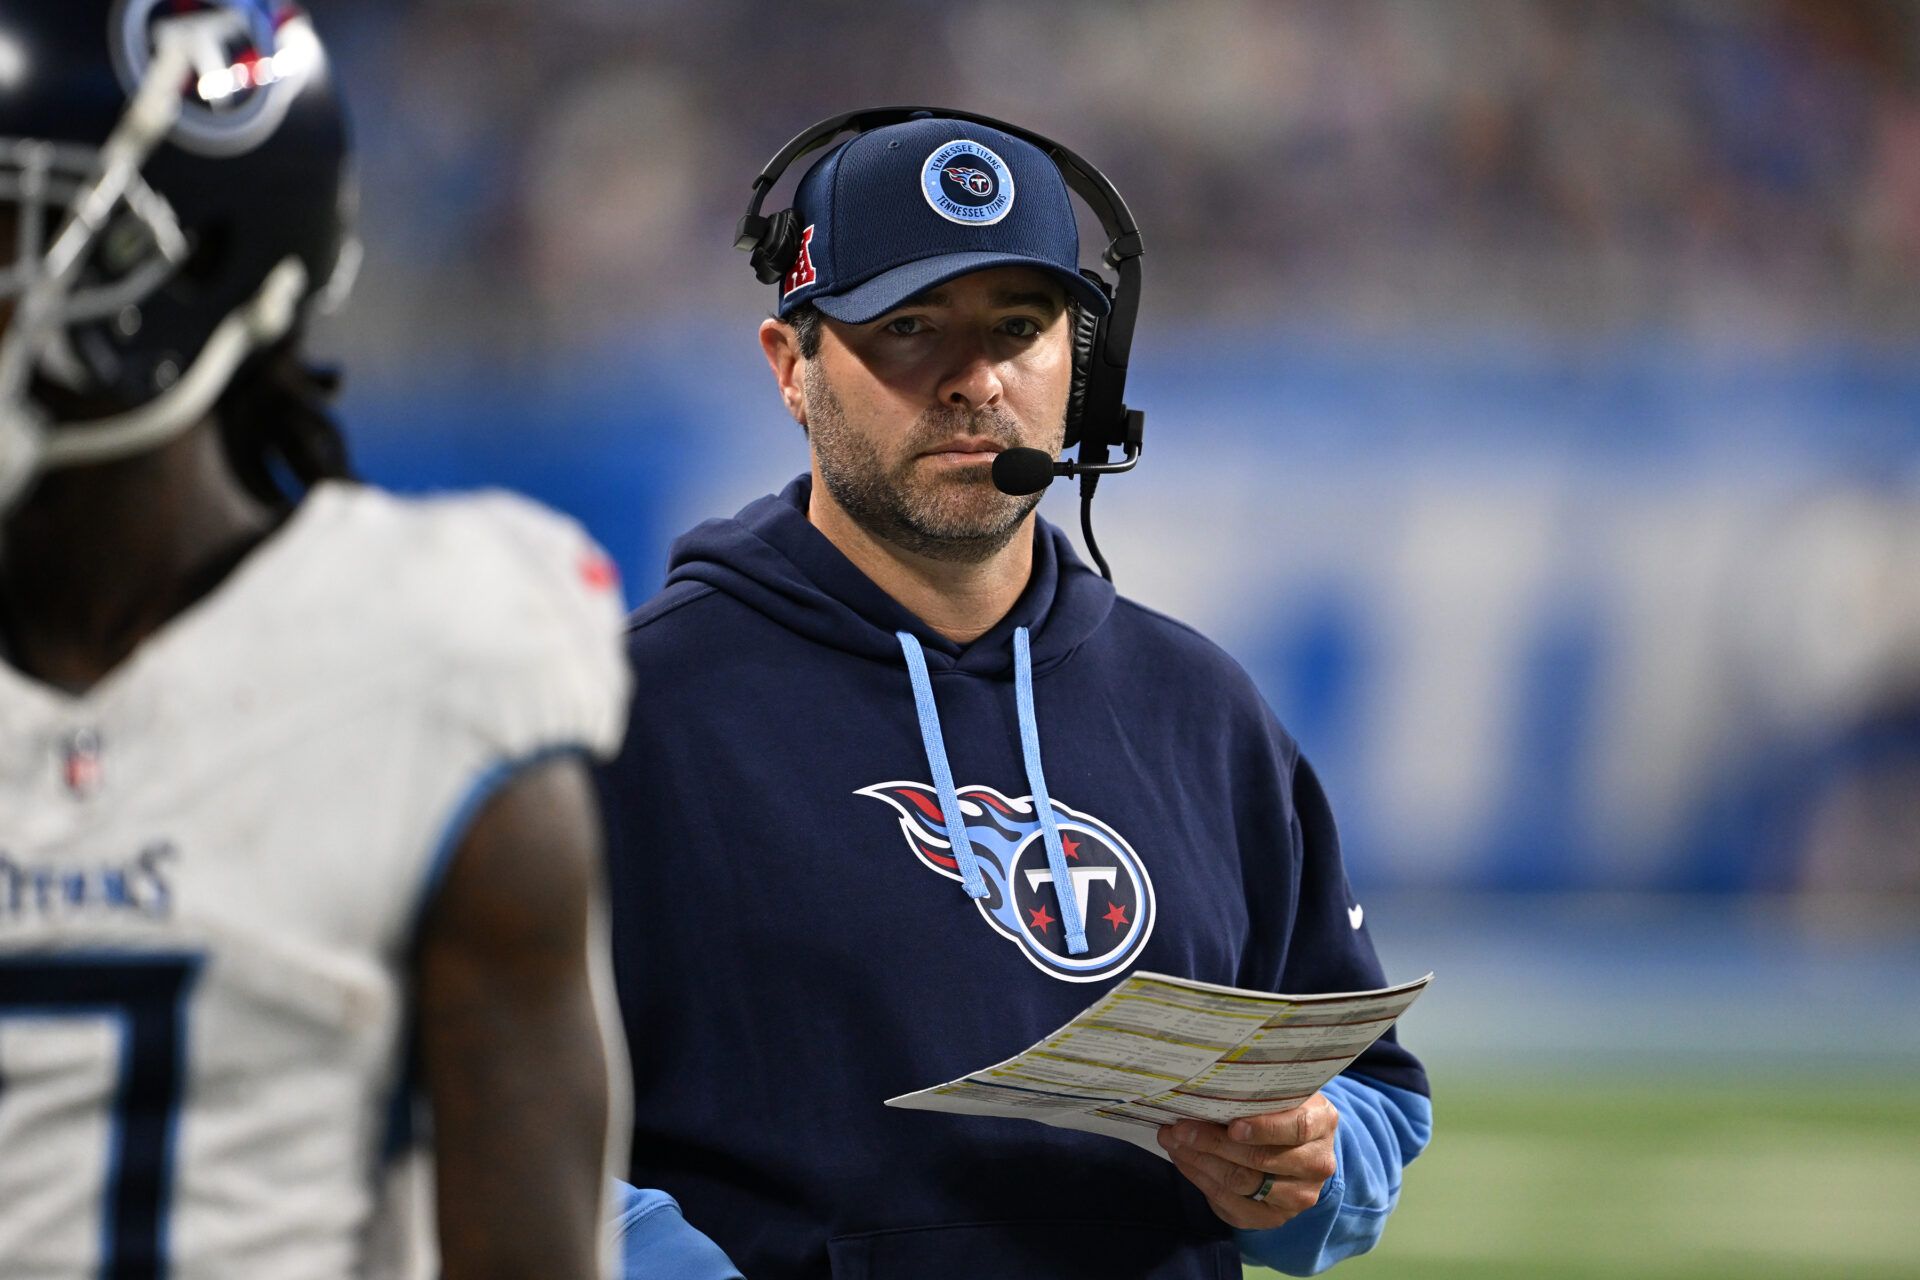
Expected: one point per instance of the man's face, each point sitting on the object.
(907, 412)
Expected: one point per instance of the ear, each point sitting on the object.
(781, 346)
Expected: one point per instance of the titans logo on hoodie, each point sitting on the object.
(1023, 904)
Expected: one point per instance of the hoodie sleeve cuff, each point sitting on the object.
(1382, 1128)
(652, 1239)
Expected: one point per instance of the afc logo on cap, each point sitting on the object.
(802, 273)
(967, 183)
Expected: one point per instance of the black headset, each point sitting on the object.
(1098, 419)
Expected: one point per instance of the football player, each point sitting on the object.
(294, 827)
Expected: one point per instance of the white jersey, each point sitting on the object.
(213, 865)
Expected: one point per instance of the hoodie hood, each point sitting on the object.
(773, 560)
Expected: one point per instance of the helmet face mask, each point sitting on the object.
(139, 248)
(173, 176)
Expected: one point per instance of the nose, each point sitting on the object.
(972, 382)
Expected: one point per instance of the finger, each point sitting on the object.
(1216, 1177)
(1293, 1194)
(1181, 1133)
(1284, 1202)
(1254, 1213)
(1314, 1160)
(1228, 1189)
(1312, 1120)
(1238, 1211)
(1282, 1205)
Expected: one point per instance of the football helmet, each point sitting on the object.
(173, 182)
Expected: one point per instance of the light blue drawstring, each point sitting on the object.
(935, 744)
(1037, 780)
(937, 761)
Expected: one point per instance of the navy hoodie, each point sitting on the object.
(794, 943)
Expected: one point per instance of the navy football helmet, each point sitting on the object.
(172, 181)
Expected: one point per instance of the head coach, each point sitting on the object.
(863, 700)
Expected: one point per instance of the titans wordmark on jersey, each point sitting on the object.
(212, 865)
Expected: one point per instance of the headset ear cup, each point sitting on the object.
(1089, 331)
(773, 257)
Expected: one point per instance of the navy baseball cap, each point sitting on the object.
(896, 211)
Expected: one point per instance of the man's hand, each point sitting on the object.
(1230, 1163)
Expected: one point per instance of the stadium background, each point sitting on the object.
(1534, 409)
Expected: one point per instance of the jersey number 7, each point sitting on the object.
(142, 998)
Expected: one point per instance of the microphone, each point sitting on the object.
(1023, 471)
(1020, 472)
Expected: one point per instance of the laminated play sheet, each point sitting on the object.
(1158, 1049)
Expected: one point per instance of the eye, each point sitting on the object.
(1022, 327)
(905, 326)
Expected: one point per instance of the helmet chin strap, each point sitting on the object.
(22, 441)
(30, 443)
(266, 317)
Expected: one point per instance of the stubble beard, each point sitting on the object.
(952, 515)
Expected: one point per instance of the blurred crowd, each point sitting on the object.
(1685, 230)
(546, 176)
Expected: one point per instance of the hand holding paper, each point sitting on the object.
(1158, 1050)
(1260, 1171)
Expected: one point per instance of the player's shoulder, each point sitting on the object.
(511, 607)
(474, 534)
(470, 567)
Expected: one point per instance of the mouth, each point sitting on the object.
(966, 449)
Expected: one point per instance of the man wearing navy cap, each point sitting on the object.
(888, 714)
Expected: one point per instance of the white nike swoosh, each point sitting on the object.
(1356, 915)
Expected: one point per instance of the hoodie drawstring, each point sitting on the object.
(937, 761)
(930, 737)
(1037, 780)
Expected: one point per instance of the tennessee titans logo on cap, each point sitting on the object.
(966, 183)
(248, 60)
(1022, 905)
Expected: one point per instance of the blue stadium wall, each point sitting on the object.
(1546, 617)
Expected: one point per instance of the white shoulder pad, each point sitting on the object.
(519, 612)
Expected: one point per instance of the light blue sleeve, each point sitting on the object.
(1381, 1130)
(655, 1241)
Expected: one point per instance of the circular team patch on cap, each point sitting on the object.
(968, 184)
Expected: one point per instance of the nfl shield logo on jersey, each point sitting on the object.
(1110, 884)
(80, 763)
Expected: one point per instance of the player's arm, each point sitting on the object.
(511, 1048)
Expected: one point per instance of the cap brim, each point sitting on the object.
(873, 298)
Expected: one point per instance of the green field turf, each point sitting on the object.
(1687, 1180)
